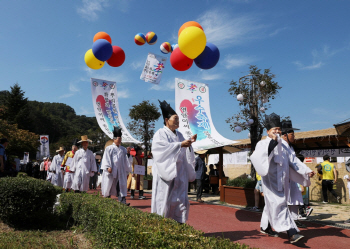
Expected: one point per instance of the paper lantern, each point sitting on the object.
(238, 129)
(262, 109)
(262, 83)
(251, 121)
(240, 97)
(265, 100)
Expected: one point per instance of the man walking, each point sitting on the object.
(200, 169)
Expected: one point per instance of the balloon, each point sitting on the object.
(238, 129)
(102, 35)
(91, 60)
(179, 61)
(262, 83)
(240, 97)
(251, 121)
(189, 24)
(174, 46)
(265, 100)
(118, 57)
(102, 49)
(209, 57)
(165, 48)
(140, 39)
(262, 109)
(192, 41)
(151, 38)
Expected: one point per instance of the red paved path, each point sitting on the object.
(243, 227)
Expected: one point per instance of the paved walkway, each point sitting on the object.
(239, 225)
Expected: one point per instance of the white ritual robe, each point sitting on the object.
(68, 180)
(83, 165)
(115, 158)
(57, 177)
(173, 167)
(276, 170)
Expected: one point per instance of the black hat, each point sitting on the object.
(287, 127)
(272, 120)
(3, 140)
(117, 132)
(75, 142)
(167, 111)
(137, 148)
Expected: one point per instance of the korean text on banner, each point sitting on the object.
(139, 169)
(153, 69)
(105, 101)
(192, 106)
(44, 146)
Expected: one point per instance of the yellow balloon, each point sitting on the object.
(91, 60)
(192, 41)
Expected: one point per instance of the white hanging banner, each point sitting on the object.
(44, 146)
(105, 101)
(153, 69)
(192, 106)
(26, 157)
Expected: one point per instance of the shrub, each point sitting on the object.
(114, 225)
(22, 174)
(26, 202)
(241, 182)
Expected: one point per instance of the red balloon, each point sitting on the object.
(179, 61)
(118, 57)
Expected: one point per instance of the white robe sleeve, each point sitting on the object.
(260, 158)
(93, 167)
(165, 155)
(299, 172)
(127, 164)
(74, 162)
(191, 162)
(53, 165)
(106, 160)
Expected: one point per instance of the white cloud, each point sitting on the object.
(234, 61)
(277, 31)
(73, 87)
(123, 94)
(54, 69)
(67, 95)
(224, 29)
(110, 76)
(137, 65)
(91, 9)
(210, 76)
(85, 111)
(314, 65)
(168, 86)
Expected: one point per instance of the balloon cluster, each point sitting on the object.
(238, 126)
(193, 46)
(102, 51)
(151, 38)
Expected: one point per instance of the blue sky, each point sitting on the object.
(305, 43)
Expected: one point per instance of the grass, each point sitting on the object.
(11, 238)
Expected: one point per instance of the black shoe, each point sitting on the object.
(299, 224)
(128, 204)
(295, 238)
(269, 232)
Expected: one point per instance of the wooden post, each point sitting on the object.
(221, 161)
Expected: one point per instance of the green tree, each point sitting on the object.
(257, 89)
(142, 126)
(15, 102)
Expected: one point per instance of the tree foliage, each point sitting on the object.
(256, 101)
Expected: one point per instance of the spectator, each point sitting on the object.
(18, 164)
(200, 169)
(137, 180)
(29, 168)
(3, 157)
(213, 172)
(257, 191)
(329, 177)
(42, 169)
(36, 169)
(93, 179)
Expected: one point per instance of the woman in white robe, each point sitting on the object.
(83, 166)
(55, 167)
(173, 168)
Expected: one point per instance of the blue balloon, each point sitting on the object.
(102, 49)
(209, 57)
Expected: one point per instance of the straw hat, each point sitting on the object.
(61, 148)
(108, 143)
(85, 139)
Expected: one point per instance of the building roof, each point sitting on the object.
(311, 140)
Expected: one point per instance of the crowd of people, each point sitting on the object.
(282, 176)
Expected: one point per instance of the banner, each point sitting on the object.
(153, 70)
(26, 157)
(44, 146)
(192, 106)
(105, 101)
(344, 152)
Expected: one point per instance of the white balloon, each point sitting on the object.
(262, 109)
(240, 97)
(251, 121)
(262, 83)
(238, 129)
(265, 100)
(246, 124)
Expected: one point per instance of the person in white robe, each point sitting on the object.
(66, 166)
(83, 166)
(295, 196)
(116, 166)
(275, 165)
(55, 167)
(173, 167)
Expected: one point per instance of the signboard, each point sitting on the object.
(105, 101)
(139, 169)
(192, 106)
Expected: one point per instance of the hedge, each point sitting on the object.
(113, 225)
(26, 202)
(241, 182)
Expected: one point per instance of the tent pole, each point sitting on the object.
(221, 160)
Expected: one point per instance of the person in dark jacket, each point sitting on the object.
(201, 169)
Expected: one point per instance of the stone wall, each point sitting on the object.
(315, 190)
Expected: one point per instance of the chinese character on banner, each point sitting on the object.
(153, 69)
